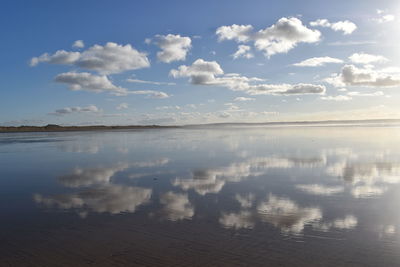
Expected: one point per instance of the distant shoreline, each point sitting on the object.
(58, 128)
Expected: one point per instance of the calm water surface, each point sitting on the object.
(259, 196)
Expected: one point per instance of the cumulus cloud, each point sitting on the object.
(176, 206)
(364, 58)
(108, 59)
(173, 47)
(317, 61)
(337, 98)
(203, 72)
(148, 82)
(354, 76)
(71, 110)
(112, 58)
(243, 51)
(278, 38)
(355, 93)
(78, 44)
(77, 81)
(239, 33)
(242, 99)
(383, 16)
(122, 106)
(347, 27)
(59, 57)
(200, 72)
(150, 93)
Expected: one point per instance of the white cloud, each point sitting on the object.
(317, 61)
(209, 73)
(112, 58)
(239, 33)
(383, 16)
(241, 99)
(107, 59)
(100, 83)
(168, 107)
(336, 98)
(363, 58)
(122, 106)
(355, 93)
(59, 57)
(243, 51)
(150, 93)
(353, 76)
(89, 82)
(78, 44)
(173, 47)
(200, 72)
(347, 27)
(148, 82)
(278, 38)
(70, 110)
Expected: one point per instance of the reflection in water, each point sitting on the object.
(348, 222)
(111, 198)
(102, 196)
(267, 189)
(91, 176)
(366, 179)
(318, 189)
(300, 200)
(287, 215)
(102, 175)
(243, 219)
(245, 201)
(213, 180)
(177, 206)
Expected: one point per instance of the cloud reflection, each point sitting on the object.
(102, 175)
(176, 206)
(286, 214)
(110, 199)
(212, 180)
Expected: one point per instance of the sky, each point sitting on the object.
(190, 62)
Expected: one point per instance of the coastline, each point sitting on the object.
(58, 128)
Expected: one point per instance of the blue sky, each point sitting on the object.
(183, 62)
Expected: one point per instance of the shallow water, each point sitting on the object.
(255, 196)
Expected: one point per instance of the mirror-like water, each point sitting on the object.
(313, 196)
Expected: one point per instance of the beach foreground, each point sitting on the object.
(222, 196)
